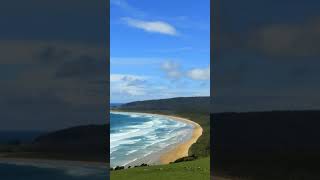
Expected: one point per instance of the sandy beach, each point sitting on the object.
(182, 149)
(179, 150)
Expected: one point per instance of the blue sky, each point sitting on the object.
(159, 49)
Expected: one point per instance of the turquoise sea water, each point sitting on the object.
(135, 136)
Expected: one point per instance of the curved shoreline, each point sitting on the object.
(181, 149)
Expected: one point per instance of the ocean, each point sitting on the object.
(24, 172)
(135, 137)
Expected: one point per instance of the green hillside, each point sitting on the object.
(178, 104)
(192, 170)
(80, 143)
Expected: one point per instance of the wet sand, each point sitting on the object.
(181, 150)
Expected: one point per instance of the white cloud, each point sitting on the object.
(199, 73)
(127, 84)
(172, 69)
(152, 26)
(128, 77)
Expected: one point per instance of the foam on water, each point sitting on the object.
(135, 136)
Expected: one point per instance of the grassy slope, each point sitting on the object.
(198, 169)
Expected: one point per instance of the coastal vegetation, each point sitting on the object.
(197, 164)
(198, 169)
(183, 159)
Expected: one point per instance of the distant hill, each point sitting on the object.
(179, 104)
(90, 141)
(12, 137)
(88, 134)
(81, 143)
(113, 105)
